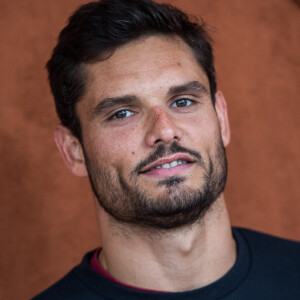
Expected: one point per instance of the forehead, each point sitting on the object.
(143, 66)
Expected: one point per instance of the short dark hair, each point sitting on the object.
(97, 29)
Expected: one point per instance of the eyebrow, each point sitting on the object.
(110, 102)
(188, 87)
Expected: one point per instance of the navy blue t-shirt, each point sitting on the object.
(266, 267)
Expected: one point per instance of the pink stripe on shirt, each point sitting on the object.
(96, 266)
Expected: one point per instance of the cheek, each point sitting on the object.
(123, 141)
(203, 128)
(116, 148)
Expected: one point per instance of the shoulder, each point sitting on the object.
(268, 242)
(71, 286)
(62, 289)
(272, 253)
(274, 265)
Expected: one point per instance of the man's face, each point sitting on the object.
(151, 136)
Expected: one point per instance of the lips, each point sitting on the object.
(169, 162)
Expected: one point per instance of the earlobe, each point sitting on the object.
(221, 109)
(71, 150)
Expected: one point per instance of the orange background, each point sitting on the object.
(47, 217)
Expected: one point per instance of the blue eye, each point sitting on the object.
(182, 103)
(122, 114)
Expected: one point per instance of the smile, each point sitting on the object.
(171, 165)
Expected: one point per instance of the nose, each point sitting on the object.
(161, 128)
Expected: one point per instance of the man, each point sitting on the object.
(134, 86)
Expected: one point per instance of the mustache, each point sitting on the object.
(162, 151)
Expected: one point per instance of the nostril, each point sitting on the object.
(157, 141)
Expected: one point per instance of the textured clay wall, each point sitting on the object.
(47, 218)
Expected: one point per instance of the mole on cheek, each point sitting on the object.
(132, 152)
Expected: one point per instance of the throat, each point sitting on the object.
(174, 260)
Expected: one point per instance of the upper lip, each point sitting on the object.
(167, 160)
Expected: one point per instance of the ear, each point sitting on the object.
(71, 151)
(221, 109)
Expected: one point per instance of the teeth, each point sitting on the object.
(172, 164)
(166, 166)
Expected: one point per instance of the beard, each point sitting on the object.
(127, 202)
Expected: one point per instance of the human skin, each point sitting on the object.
(174, 260)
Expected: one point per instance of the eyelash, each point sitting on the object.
(185, 100)
(114, 116)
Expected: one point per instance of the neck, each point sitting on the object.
(177, 260)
